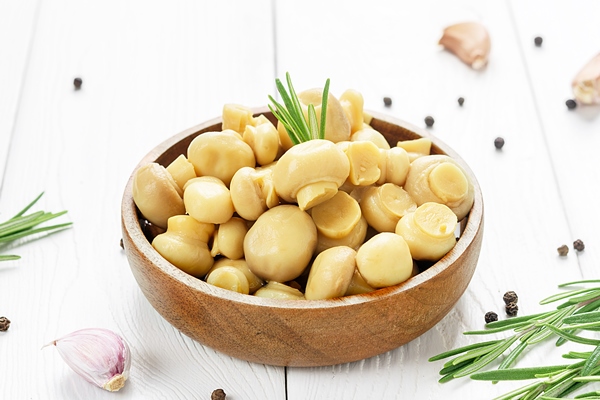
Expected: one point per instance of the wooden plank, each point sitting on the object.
(149, 70)
(17, 23)
(569, 41)
(390, 49)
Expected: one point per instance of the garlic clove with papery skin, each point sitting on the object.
(469, 41)
(98, 355)
(586, 85)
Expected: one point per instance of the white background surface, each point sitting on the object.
(153, 69)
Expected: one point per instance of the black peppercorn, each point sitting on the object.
(512, 309)
(4, 324)
(77, 83)
(429, 120)
(571, 104)
(218, 394)
(490, 316)
(563, 250)
(499, 142)
(461, 101)
(387, 101)
(510, 297)
(578, 245)
(538, 41)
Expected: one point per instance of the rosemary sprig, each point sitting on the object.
(22, 225)
(578, 311)
(299, 128)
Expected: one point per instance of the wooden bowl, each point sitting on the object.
(302, 333)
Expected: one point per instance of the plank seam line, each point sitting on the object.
(541, 123)
(36, 15)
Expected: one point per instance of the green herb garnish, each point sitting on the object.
(22, 225)
(299, 128)
(578, 311)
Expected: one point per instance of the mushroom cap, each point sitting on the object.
(156, 194)
(280, 244)
(220, 154)
(337, 124)
(308, 163)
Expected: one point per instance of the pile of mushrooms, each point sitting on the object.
(245, 210)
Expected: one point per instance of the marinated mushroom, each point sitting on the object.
(358, 285)
(229, 278)
(156, 194)
(352, 103)
(384, 260)
(253, 192)
(440, 179)
(263, 139)
(369, 134)
(310, 173)
(181, 170)
(236, 117)
(276, 290)
(383, 206)
(254, 282)
(280, 244)
(354, 239)
(220, 154)
(336, 217)
(207, 199)
(337, 125)
(364, 162)
(394, 165)
(184, 245)
(416, 147)
(429, 231)
(331, 273)
(228, 239)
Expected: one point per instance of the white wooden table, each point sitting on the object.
(152, 69)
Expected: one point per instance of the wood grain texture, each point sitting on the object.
(302, 333)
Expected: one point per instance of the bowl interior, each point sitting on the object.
(303, 333)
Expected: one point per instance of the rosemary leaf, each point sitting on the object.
(517, 374)
(583, 317)
(591, 363)
(324, 101)
(488, 358)
(571, 337)
(9, 257)
(560, 296)
(313, 124)
(460, 350)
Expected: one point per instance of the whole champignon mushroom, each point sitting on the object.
(229, 239)
(229, 278)
(354, 239)
(416, 147)
(384, 260)
(383, 206)
(181, 170)
(156, 194)
(369, 134)
(336, 217)
(310, 173)
(276, 290)
(358, 285)
(394, 165)
(207, 199)
(220, 154)
(184, 245)
(337, 125)
(280, 244)
(254, 282)
(253, 192)
(263, 138)
(440, 179)
(429, 231)
(364, 161)
(331, 273)
(352, 103)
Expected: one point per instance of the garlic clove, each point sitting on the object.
(98, 355)
(469, 41)
(586, 85)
